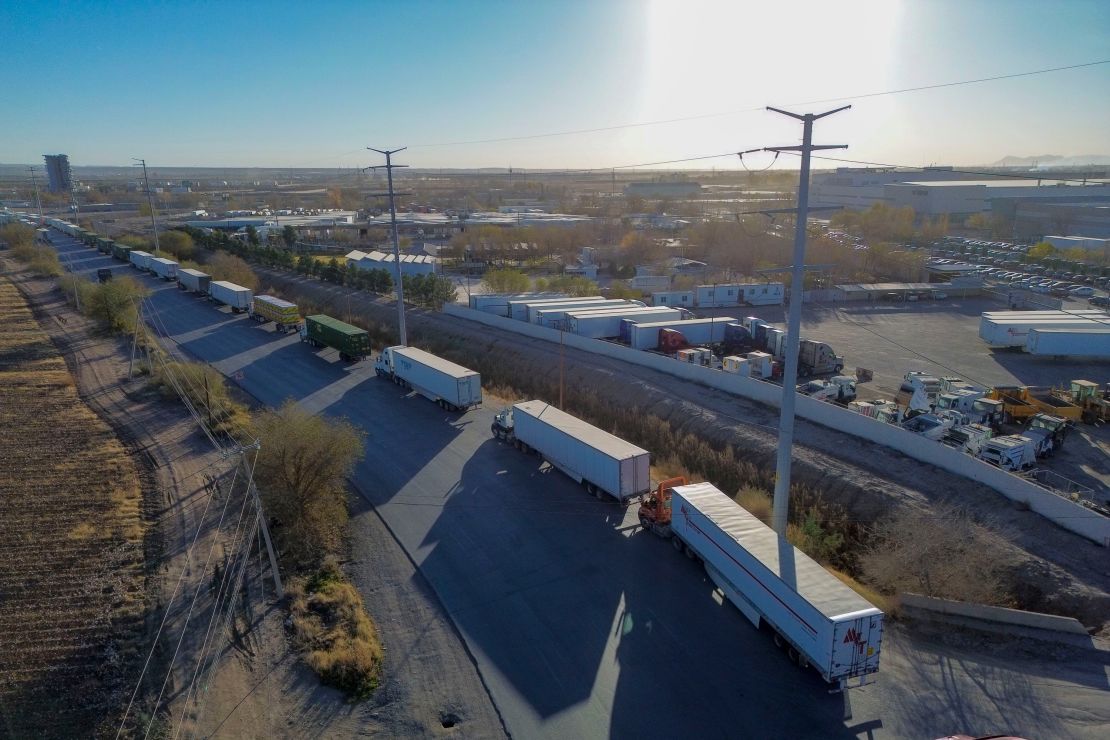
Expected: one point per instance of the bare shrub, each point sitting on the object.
(941, 552)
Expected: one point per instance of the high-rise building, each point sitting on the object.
(57, 170)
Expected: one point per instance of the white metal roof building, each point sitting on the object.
(964, 197)
(411, 264)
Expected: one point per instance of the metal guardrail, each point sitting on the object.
(1066, 488)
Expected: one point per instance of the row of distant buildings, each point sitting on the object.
(1035, 205)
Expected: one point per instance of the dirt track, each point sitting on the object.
(1060, 572)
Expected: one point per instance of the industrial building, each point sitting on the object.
(59, 177)
(935, 191)
(679, 189)
(1034, 218)
(411, 264)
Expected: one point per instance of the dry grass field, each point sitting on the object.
(71, 538)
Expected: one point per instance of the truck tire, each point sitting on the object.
(645, 523)
(690, 552)
(677, 544)
(777, 638)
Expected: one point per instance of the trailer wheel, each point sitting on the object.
(777, 639)
(645, 524)
(795, 656)
(599, 493)
(690, 552)
(677, 543)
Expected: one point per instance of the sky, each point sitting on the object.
(297, 84)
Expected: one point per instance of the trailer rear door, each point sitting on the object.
(856, 643)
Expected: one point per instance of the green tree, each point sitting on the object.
(177, 243)
(114, 302)
(507, 281)
(252, 236)
(302, 467)
(330, 272)
(304, 264)
(289, 235)
(17, 235)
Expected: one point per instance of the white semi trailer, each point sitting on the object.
(607, 323)
(163, 268)
(819, 620)
(603, 463)
(452, 386)
(230, 294)
(140, 259)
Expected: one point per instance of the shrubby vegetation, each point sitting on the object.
(41, 260)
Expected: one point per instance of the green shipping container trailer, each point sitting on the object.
(121, 252)
(104, 245)
(324, 331)
(89, 237)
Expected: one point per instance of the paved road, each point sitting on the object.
(581, 625)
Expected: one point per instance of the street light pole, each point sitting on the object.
(149, 202)
(388, 166)
(781, 505)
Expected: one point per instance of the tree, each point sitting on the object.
(289, 236)
(622, 290)
(304, 264)
(177, 243)
(114, 302)
(17, 235)
(1040, 251)
(302, 467)
(252, 236)
(507, 281)
(941, 552)
(224, 266)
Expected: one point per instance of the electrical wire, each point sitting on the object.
(615, 127)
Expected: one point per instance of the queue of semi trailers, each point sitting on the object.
(818, 620)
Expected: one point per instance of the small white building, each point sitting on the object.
(411, 264)
(739, 294)
(679, 298)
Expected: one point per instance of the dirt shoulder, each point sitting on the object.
(259, 687)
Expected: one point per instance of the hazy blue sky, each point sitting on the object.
(312, 83)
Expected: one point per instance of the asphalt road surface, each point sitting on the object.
(580, 624)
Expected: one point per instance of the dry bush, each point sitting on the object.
(756, 502)
(331, 625)
(224, 266)
(303, 464)
(941, 552)
(207, 391)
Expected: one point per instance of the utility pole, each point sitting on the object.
(135, 339)
(781, 505)
(149, 201)
(38, 200)
(388, 167)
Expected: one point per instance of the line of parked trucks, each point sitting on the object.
(954, 412)
(819, 620)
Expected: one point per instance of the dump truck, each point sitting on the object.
(818, 358)
(1048, 431)
(441, 381)
(604, 464)
(970, 438)
(351, 342)
(284, 314)
(1016, 403)
(819, 620)
(163, 268)
(1013, 452)
(1093, 401)
(139, 259)
(193, 280)
(230, 294)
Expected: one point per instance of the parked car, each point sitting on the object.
(1082, 291)
(1099, 300)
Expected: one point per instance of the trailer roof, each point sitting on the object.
(163, 261)
(335, 324)
(141, 253)
(275, 301)
(229, 286)
(194, 273)
(822, 589)
(427, 358)
(637, 310)
(685, 322)
(610, 444)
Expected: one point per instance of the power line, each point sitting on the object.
(615, 127)
(980, 173)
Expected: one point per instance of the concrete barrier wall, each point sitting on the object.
(1067, 514)
(995, 614)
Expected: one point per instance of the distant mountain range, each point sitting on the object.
(1052, 160)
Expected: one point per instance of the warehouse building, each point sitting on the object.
(411, 264)
(967, 197)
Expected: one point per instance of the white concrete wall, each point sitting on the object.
(1067, 514)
